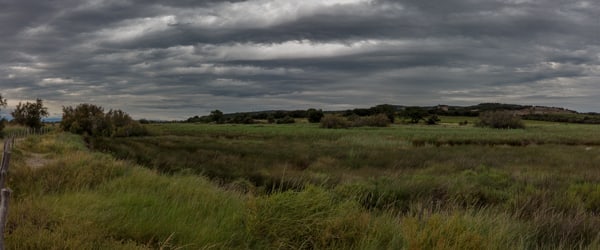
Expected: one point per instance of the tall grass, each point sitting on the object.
(86, 200)
(302, 187)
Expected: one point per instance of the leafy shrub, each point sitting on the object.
(241, 119)
(285, 120)
(379, 120)
(500, 119)
(334, 121)
(84, 119)
(314, 116)
(432, 120)
(89, 119)
(415, 114)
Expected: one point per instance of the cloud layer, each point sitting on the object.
(181, 58)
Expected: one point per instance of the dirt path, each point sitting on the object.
(36, 160)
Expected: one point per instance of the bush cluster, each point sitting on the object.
(89, 119)
(285, 120)
(432, 120)
(314, 116)
(335, 121)
(589, 118)
(500, 119)
(378, 120)
(30, 114)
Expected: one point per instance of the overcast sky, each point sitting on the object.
(176, 59)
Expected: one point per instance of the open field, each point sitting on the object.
(199, 186)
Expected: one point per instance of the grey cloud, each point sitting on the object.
(174, 59)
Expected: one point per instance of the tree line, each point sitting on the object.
(406, 114)
(92, 120)
(390, 112)
(85, 119)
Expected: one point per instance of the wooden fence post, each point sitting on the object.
(4, 192)
(4, 169)
(4, 197)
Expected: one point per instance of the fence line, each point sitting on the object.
(29, 131)
(4, 191)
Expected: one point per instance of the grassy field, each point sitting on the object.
(200, 186)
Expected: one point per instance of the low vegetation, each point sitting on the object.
(268, 186)
(589, 118)
(334, 122)
(500, 119)
(337, 121)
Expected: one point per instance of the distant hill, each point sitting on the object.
(518, 109)
(530, 112)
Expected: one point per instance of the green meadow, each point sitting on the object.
(298, 186)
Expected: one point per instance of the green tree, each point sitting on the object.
(242, 118)
(30, 114)
(415, 114)
(432, 120)
(120, 124)
(386, 109)
(217, 116)
(285, 120)
(85, 119)
(314, 116)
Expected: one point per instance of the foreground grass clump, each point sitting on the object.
(158, 211)
(84, 200)
(307, 220)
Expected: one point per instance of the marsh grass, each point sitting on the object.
(259, 152)
(302, 187)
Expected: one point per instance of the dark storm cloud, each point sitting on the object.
(174, 59)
